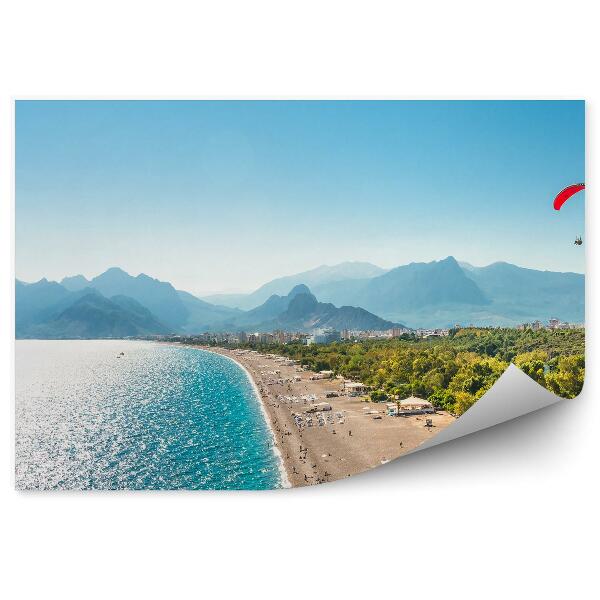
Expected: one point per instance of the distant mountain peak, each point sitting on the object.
(113, 272)
(299, 289)
(300, 306)
(449, 261)
(321, 275)
(347, 264)
(115, 304)
(143, 276)
(449, 258)
(74, 283)
(157, 296)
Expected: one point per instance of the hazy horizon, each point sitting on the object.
(222, 196)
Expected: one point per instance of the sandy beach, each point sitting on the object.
(351, 438)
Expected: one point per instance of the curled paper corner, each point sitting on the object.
(513, 395)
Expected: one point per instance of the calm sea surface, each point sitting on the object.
(159, 417)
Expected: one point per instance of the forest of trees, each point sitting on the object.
(451, 372)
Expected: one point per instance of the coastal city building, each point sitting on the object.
(553, 324)
(325, 336)
(398, 331)
(425, 333)
(329, 335)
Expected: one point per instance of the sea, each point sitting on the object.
(135, 415)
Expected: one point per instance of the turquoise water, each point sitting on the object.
(159, 417)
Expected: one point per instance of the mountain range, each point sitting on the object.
(115, 304)
(322, 275)
(48, 310)
(350, 296)
(301, 311)
(445, 292)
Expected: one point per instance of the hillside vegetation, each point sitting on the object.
(452, 372)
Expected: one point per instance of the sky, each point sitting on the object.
(225, 196)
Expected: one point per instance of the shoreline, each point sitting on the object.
(353, 437)
(283, 474)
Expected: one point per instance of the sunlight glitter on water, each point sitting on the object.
(159, 417)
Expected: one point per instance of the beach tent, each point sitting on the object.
(414, 402)
(354, 388)
(414, 406)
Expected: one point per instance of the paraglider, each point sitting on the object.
(563, 196)
(566, 194)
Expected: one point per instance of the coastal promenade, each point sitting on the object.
(351, 438)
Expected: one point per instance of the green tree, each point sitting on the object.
(567, 380)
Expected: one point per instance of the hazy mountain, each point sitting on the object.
(412, 294)
(465, 266)
(159, 297)
(324, 274)
(48, 312)
(46, 309)
(306, 313)
(239, 301)
(271, 308)
(437, 283)
(38, 304)
(94, 316)
(301, 311)
(74, 283)
(519, 294)
(408, 288)
(140, 316)
(442, 293)
(202, 315)
(179, 310)
(435, 294)
(33, 298)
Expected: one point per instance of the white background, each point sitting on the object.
(511, 511)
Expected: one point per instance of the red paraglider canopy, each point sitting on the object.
(567, 193)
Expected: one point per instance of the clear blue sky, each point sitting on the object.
(227, 195)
